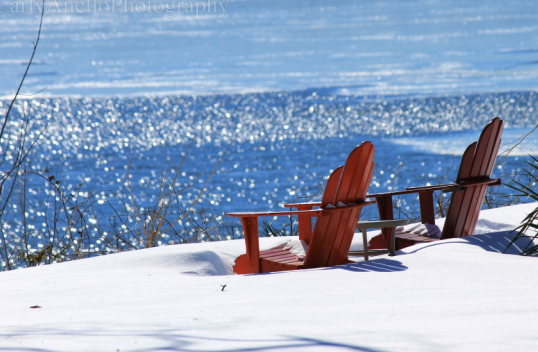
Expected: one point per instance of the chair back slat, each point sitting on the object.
(478, 193)
(332, 186)
(457, 197)
(322, 222)
(465, 205)
(333, 232)
(342, 242)
(358, 171)
(483, 150)
(342, 252)
(495, 150)
(466, 163)
(484, 189)
(335, 227)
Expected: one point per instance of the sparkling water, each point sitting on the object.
(282, 91)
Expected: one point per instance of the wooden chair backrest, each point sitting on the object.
(476, 164)
(333, 232)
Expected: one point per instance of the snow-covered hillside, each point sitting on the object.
(453, 295)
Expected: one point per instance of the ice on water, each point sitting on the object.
(346, 47)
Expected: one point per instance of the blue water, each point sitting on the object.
(281, 91)
(274, 147)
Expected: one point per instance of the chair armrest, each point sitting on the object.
(411, 190)
(450, 187)
(306, 204)
(316, 212)
(312, 213)
(432, 188)
(463, 185)
(347, 207)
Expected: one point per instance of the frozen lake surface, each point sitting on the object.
(390, 47)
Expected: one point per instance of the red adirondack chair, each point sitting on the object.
(338, 215)
(467, 198)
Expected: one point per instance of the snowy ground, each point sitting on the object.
(459, 294)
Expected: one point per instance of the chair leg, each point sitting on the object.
(305, 227)
(393, 242)
(427, 210)
(365, 244)
(384, 205)
(250, 228)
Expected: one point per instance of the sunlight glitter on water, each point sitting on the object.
(282, 145)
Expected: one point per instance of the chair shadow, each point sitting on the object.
(174, 340)
(381, 265)
(497, 242)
